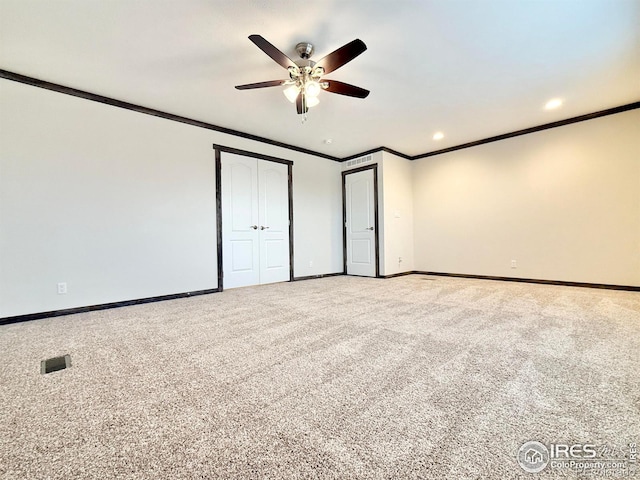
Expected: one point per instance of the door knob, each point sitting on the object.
(262, 227)
(255, 227)
(370, 228)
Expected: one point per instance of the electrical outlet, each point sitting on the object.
(310, 263)
(514, 264)
(62, 288)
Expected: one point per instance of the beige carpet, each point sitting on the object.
(342, 377)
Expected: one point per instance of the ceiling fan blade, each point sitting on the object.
(299, 105)
(343, 55)
(272, 51)
(270, 83)
(345, 89)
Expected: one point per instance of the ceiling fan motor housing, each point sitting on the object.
(304, 49)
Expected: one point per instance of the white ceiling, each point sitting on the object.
(471, 69)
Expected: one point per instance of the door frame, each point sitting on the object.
(218, 149)
(374, 167)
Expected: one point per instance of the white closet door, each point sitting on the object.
(255, 221)
(273, 192)
(360, 227)
(240, 219)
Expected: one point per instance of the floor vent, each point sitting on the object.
(359, 161)
(55, 364)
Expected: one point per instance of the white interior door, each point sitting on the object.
(273, 194)
(240, 247)
(360, 223)
(255, 221)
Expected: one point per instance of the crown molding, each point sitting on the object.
(16, 77)
(375, 150)
(525, 131)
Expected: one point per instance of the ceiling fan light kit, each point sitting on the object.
(305, 80)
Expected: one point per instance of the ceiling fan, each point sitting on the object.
(306, 80)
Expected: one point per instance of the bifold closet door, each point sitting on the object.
(255, 221)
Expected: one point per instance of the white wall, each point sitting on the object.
(317, 216)
(397, 215)
(121, 205)
(564, 203)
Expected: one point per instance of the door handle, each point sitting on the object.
(262, 227)
(255, 227)
(370, 228)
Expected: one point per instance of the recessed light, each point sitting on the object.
(438, 136)
(554, 103)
